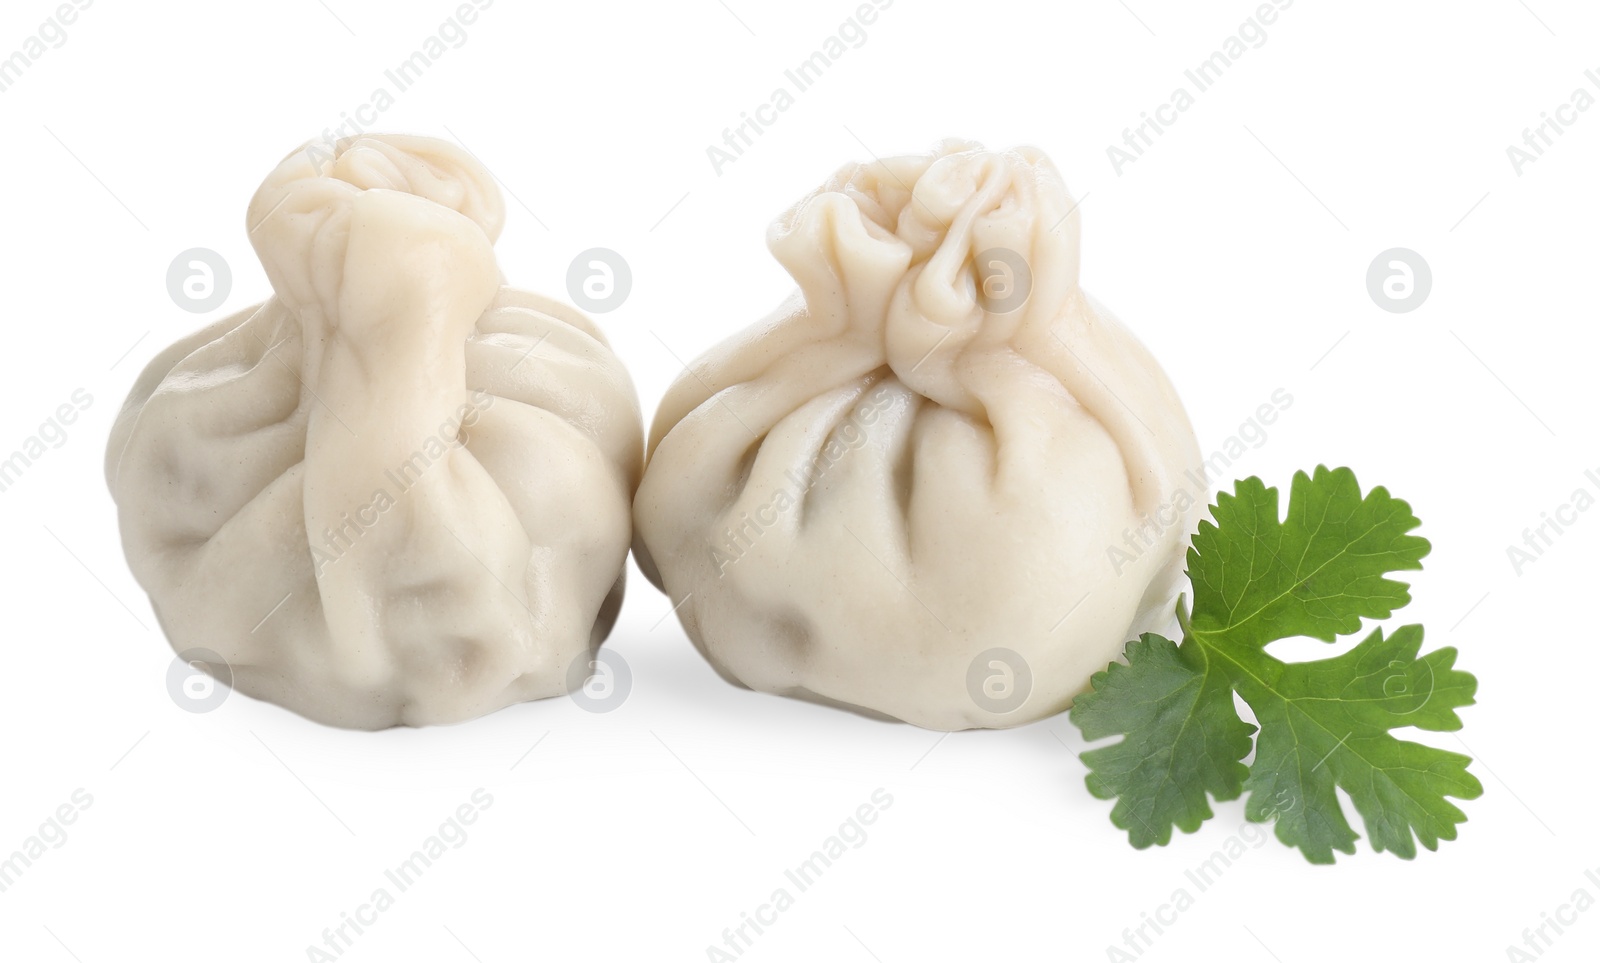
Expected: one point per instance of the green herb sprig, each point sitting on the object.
(1324, 724)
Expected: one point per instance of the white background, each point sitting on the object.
(1237, 248)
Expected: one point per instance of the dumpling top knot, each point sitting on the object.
(931, 255)
(429, 168)
(326, 215)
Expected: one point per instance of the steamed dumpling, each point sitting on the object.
(398, 491)
(933, 450)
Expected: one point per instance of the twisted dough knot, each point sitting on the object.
(300, 219)
(432, 169)
(928, 257)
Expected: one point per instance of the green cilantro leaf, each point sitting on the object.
(1323, 724)
(1317, 574)
(1184, 739)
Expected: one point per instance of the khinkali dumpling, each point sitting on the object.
(911, 488)
(398, 491)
